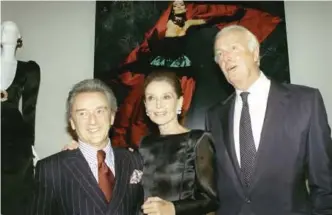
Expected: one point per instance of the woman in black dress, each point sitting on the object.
(178, 173)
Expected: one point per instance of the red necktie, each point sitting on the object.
(105, 176)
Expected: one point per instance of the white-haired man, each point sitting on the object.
(270, 138)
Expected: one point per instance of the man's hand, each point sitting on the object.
(71, 146)
(158, 206)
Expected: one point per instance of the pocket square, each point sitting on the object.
(136, 176)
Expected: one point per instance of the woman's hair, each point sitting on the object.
(165, 75)
(182, 16)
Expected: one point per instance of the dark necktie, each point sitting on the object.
(247, 144)
(105, 176)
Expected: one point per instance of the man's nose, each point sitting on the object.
(92, 118)
(227, 56)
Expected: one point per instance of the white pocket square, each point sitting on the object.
(136, 176)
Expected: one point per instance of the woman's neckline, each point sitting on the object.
(175, 134)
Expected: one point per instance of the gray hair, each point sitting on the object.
(90, 85)
(252, 41)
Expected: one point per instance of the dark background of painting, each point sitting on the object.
(120, 27)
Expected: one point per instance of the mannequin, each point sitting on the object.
(19, 80)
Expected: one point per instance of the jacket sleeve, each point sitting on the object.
(30, 95)
(43, 201)
(319, 158)
(205, 197)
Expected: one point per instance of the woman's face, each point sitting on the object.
(162, 102)
(179, 7)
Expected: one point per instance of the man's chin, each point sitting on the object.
(236, 83)
(99, 142)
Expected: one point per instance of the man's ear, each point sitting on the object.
(112, 117)
(256, 55)
(72, 124)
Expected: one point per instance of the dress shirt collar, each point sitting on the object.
(90, 152)
(259, 87)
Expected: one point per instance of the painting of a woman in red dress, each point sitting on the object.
(163, 46)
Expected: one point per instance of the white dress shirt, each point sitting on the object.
(90, 154)
(257, 99)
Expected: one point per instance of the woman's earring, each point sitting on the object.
(147, 113)
(178, 111)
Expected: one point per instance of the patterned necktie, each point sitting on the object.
(247, 144)
(105, 176)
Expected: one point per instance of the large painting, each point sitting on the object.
(130, 42)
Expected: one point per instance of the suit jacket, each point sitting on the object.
(65, 185)
(295, 145)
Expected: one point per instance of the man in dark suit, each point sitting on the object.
(271, 139)
(94, 179)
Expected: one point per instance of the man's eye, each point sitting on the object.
(167, 97)
(82, 113)
(234, 48)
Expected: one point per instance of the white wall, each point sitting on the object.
(59, 36)
(309, 34)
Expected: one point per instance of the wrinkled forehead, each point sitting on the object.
(89, 100)
(231, 37)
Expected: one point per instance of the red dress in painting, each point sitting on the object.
(130, 123)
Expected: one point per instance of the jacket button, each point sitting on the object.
(247, 201)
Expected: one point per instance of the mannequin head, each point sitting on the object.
(10, 35)
(10, 41)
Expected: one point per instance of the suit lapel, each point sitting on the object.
(81, 172)
(227, 121)
(122, 178)
(276, 108)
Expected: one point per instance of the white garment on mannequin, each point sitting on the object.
(8, 72)
(9, 36)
